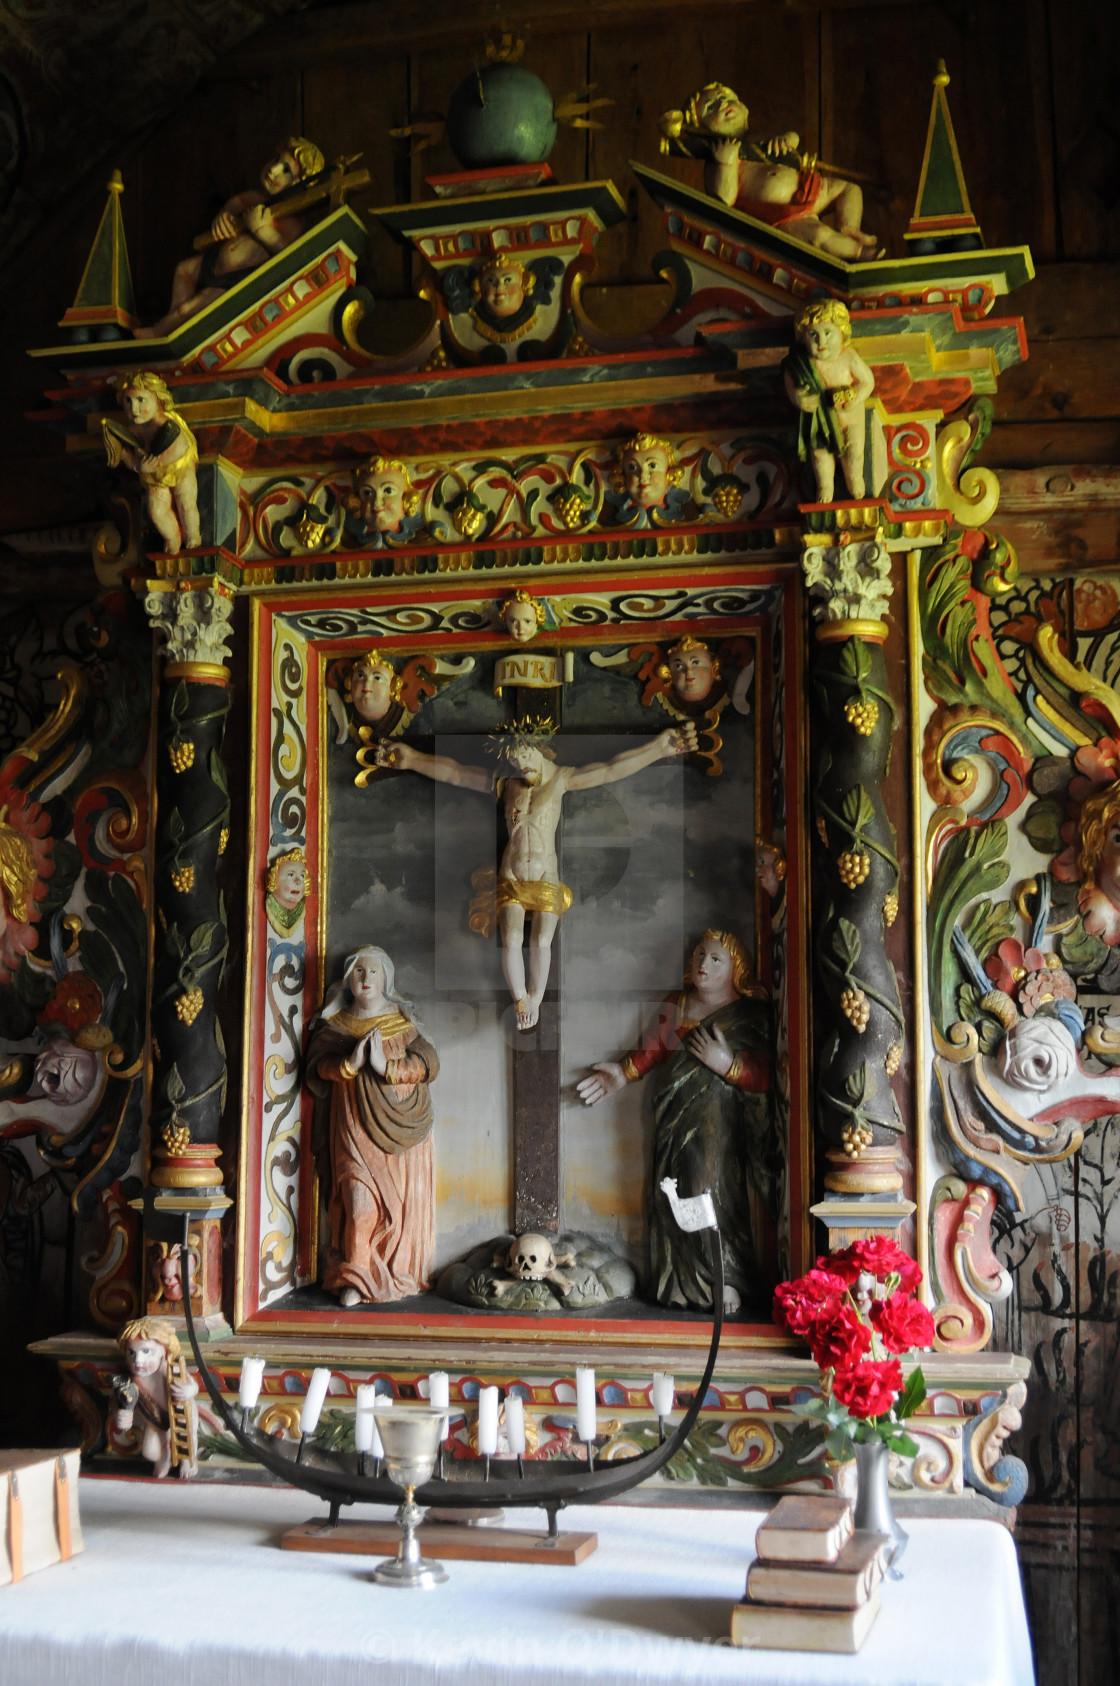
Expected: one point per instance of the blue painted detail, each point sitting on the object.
(675, 223)
(330, 263)
(470, 1390)
(538, 231)
(744, 260)
(293, 1384)
(712, 1400)
(799, 1395)
(271, 311)
(615, 1395)
(208, 359)
(1005, 1483)
(467, 243)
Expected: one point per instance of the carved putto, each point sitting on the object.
(829, 383)
(774, 183)
(159, 447)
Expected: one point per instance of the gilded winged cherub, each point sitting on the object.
(531, 787)
(829, 382)
(768, 186)
(249, 229)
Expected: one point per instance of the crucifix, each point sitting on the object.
(527, 892)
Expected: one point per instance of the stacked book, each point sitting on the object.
(815, 1584)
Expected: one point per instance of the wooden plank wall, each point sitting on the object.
(1033, 98)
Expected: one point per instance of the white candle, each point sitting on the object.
(515, 1423)
(249, 1387)
(381, 1402)
(313, 1400)
(585, 1403)
(439, 1390)
(488, 1421)
(364, 1427)
(662, 1393)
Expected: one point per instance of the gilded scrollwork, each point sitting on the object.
(550, 493)
(285, 963)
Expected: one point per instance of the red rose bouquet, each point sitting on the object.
(858, 1312)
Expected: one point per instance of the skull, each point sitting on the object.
(531, 1258)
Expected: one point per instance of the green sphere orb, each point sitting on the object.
(500, 115)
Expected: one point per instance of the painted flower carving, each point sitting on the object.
(26, 862)
(76, 1003)
(1037, 1054)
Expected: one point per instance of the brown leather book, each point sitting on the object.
(776, 1627)
(804, 1528)
(843, 1584)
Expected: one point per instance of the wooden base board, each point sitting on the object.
(442, 1540)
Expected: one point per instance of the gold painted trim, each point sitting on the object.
(919, 1073)
(835, 632)
(212, 673)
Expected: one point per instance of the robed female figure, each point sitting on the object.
(713, 1126)
(370, 1067)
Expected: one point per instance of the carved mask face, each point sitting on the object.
(371, 692)
(692, 675)
(171, 1277)
(280, 172)
(645, 475)
(65, 1073)
(144, 1358)
(531, 1258)
(723, 113)
(291, 884)
(140, 405)
(382, 500)
(712, 967)
(367, 984)
(503, 290)
(822, 340)
(521, 622)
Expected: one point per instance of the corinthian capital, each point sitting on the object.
(194, 622)
(850, 581)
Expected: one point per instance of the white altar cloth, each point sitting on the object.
(183, 1585)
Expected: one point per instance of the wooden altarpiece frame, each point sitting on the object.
(301, 640)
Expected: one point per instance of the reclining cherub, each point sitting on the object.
(249, 229)
(775, 184)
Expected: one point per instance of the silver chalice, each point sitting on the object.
(411, 1439)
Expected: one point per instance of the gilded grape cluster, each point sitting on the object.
(856, 1008)
(176, 1138)
(569, 507)
(189, 1005)
(727, 499)
(853, 868)
(181, 755)
(223, 839)
(183, 878)
(863, 714)
(893, 1058)
(890, 907)
(854, 1138)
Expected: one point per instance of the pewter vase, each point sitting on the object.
(873, 1500)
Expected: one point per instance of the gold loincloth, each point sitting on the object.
(491, 894)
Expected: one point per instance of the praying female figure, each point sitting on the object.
(367, 1056)
(713, 1125)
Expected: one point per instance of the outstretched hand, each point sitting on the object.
(710, 1047)
(604, 1080)
(779, 146)
(725, 150)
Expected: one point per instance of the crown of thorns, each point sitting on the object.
(532, 731)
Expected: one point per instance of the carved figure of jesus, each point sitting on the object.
(531, 791)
